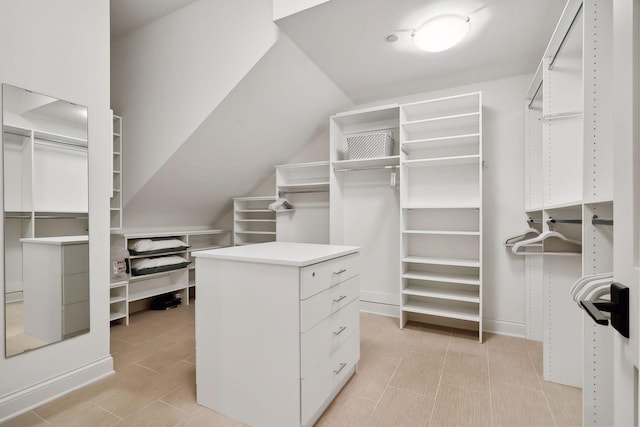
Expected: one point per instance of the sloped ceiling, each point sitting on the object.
(279, 107)
(347, 40)
(128, 15)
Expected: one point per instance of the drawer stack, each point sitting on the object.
(329, 331)
(75, 289)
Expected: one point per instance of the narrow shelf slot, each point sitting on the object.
(445, 141)
(442, 277)
(440, 118)
(366, 163)
(443, 233)
(442, 261)
(443, 161)
(439, 293)
(255, 220)
(451, 310)
(257, 232)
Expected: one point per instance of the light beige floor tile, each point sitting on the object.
(30, 419)
(139, 352)
(375, 370)
(65, 408)
(470, 371)
(183, 398)
(392, 341)
(534, 348)
(467, 342)
(132, 373)
(418, 373)
(170, 355)
(401, 408)
(430, 340)
(518, 406)
(506, 342)
(158, 414)
(206, 417)
(118, 345)
(347, 410)
(565, 403)
(512, 367)
(461, 407)
(93, 416)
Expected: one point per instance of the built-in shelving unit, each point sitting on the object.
(441, 218)
(116, 188)
(306, 187)
(136, 288)
(253, 221)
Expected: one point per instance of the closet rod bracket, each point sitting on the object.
(618, 307)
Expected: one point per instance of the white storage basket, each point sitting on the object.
(369, 145)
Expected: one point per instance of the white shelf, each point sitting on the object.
(447, 141)
(253, 198)
(443, 233)
(117, 315)
(148, 276)
(442, 277)
(184, 250)
(252, 210)
(257, 232)
(366, 163)
(455, 262)
(136, 296)
(570, 204)
(467, 121)
(118, 284)
(117, 299)
(451, 311)
(304, 187)
(255, 220)
(461, 206)
(453, 295)
(443, 161)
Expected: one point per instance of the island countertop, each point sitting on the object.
(280, 253)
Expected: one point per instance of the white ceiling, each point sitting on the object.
(127, 15)
(346, 39)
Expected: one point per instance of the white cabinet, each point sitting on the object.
(277, 330)
(56, 286)
(253, 222)
(139, 287)
(116, 169)
(441, 203)
(306, 187)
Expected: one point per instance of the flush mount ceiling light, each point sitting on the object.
(441, 32)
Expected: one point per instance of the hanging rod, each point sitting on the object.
(534, 221)
(18, 216)
(533, 98)
(48, 139)
(60, 217)
(566, 36)
(366, 169)
(564, 221)
(601, 221)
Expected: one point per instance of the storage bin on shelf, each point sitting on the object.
(367, 145)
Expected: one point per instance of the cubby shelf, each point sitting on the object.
(443, 161)
(304, 187)
(443, 232)
(446, 141)
(452, 295)
(442, 277)
(442, 261)
(253, 221)
(366, 163)
(440, 309)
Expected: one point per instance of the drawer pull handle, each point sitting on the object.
(340, 298)
(340, 330)
(342, 270)
(337, 371)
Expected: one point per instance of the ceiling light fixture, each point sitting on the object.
(441, 32)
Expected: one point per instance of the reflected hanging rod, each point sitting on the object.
(601, 221)
(366, 169)
(534, 221)
(566, 36)
(533, 98)
(564, 221)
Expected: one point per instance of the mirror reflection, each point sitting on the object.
(46, 200)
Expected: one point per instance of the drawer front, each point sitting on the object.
(319, 384)
(75, 318)
(317, 308)
(318, 277)
(75, 288)
(317, 344)
(76, 259)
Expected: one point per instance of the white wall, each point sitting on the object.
(284, 8)
(61, 49)
(170, 75)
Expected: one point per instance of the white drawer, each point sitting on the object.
(76, 259)
(75, 288)
(75, 318)
(320, 341)
(319, 384)
(317, 308)
(323, 275)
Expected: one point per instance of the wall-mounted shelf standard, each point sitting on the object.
(116, 188)
(441, 221)
(150, 284)
(253, 222)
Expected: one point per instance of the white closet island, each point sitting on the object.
(277, 330)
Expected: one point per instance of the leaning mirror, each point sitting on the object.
(46, 200)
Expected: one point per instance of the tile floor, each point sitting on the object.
(418, 376)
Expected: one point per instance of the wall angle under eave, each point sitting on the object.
(281, 105)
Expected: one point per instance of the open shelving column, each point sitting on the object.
(441, 218)
(253, 221)
(116, 190)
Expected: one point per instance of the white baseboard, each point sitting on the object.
(502, 327)
(381, 309)
(29, 398)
